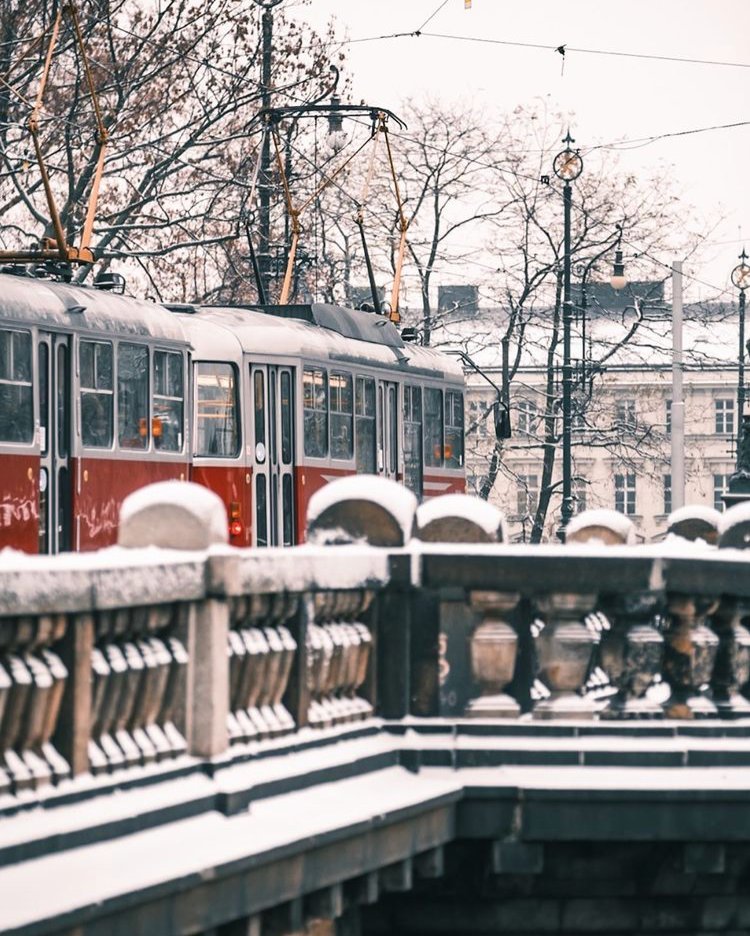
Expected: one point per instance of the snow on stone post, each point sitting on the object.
(186, 516)
(695, 522)
(381, 513)
(732, 664)
(493, 647)
(631, 649)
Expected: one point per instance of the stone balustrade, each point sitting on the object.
(175, 647)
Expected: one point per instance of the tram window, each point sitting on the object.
(413, 438)
(288, 509)
(97, 396)
(365, 424)
(259, 391)
(261, 511)
(44, 441)
(454, 429)
(315, 390)
(168, 403)
(16, 406)
(392, 430)
(132, 396)
(217, 432)
(286, 417)
(342, 416)
(433, 428)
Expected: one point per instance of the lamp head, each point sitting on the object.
(618, 280)
(741, 273)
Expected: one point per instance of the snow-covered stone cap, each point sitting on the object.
(734, 527)
(694, 522)
(172, 515)
(605, 526)
(362, 508)
(460, 518)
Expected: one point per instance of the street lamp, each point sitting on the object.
(741, 279)
(567, 165)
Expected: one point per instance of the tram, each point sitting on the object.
(101, 394)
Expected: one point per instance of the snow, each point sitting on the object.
(393, 498)
(733, 518)
(175, 514)
(694, 512)
(618, 523)
(485, 516)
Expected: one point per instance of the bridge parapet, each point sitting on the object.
(229, 679)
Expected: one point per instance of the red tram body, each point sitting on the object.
(101, 394)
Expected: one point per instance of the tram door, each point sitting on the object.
(273, 454)
(387, 429)
(55, 482)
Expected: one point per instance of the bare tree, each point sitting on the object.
(178, 83)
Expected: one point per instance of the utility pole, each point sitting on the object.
(264, 182)
(678, 404)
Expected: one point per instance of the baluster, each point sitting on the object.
(689, 655)
(18, 690)
(289, 644)
(261, 659)
(632, 650)
(363, 707)
(564, 647)
(493, 650)
(237, 656)
(276, 661)
(58, 765)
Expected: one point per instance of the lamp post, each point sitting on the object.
(741, 279)
(567, 165)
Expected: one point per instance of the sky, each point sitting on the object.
(609, 98)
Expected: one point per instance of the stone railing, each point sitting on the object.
(173, 647)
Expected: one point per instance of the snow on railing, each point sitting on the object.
(174, 645)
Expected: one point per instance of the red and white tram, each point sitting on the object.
(101, 394)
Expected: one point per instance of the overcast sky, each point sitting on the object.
(610, 97)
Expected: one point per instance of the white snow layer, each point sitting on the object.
(173, 514)
(486, 516)
(618, 523)
(391, 496)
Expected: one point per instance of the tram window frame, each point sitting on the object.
(96, 398)
(315, 418)
(365, 418)
(16, 388)
(341, 407)
(168, 400)
(453, 431)
(230, 405)
(133, 428)
(433, 427)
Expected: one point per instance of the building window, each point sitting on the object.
(667, 493)
(668, 417)
(625, 413)
(721, 486)
(625, 493)
(474, 482)
(527, 495)
(478, 418)
(724, 410)
(526, 416)
(580, 489)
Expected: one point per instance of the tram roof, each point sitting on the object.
(49, 303)
(320, 332)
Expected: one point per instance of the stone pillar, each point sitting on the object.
(493, 644)
(186, 516)
(631, 650)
